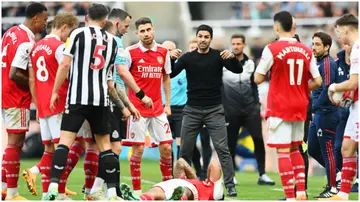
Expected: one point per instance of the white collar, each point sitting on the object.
(53, 35)
(143, 49)
(287, 39)
(94, 26)
(30, 33)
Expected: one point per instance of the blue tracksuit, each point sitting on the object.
(322, 130)
(343, 73)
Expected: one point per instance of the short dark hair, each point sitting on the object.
(325, 38)
(205, 28)
(142, 21)
(34, 9)
(118, 13)
(108, 25)
(285, 20)
(236, 36)
(348, 19)
(97, 12)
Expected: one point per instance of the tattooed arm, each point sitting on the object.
(122, 95)
(115, 98)
(183, 169)
(117, 101)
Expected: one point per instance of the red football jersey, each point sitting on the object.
(16, 47)
(147, 68)
(45, 58)
(205, 189)
(289, 63)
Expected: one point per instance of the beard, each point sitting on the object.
(203, 46)
(118, 34)
(148, 41)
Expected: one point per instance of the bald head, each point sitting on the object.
(170, 45)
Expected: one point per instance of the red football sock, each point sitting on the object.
(3, 171)
(286, 174)
(46, 163)
(299, 169)
(74, 155)
(62, 182)
(166, 168)
(146, 197)
(348, 173)
(90, 167)
(12, 165)
(44, 159)
(135, 168)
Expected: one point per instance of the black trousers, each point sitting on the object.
(213, 117)
(206, 153)
(252, 122)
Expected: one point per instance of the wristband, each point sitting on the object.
(140, 94)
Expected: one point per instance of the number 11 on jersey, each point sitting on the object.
(300, 64)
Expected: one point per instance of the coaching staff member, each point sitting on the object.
(204, 106)
(242, 106)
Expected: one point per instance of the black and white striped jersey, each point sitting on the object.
(93, 51)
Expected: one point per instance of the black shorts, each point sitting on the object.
(175, 120)
(97, 116)
(118, 126)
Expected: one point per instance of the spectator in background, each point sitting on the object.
(67, 7)
(327, 8)
(82, 7)
(297, 9)
(256, 49)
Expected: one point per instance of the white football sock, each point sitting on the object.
(3, 185)
(97, 186)
(11, 192)
(35, 170)
(111, 192)
(343, 195)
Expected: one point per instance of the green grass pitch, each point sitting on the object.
(150, 171)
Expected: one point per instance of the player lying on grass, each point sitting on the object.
(185, 186)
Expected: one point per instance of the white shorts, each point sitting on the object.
(168, 187)
(352, 124)
(283, 134)
(16, 120)
(158, 127)
(85, 132)
(50, 128)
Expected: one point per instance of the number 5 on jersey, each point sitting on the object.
(98, 54)
(300, 63)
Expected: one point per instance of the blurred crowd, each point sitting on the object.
(265, 10)
(12, 9)
(243, 10)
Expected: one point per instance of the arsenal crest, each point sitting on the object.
(160, 59)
